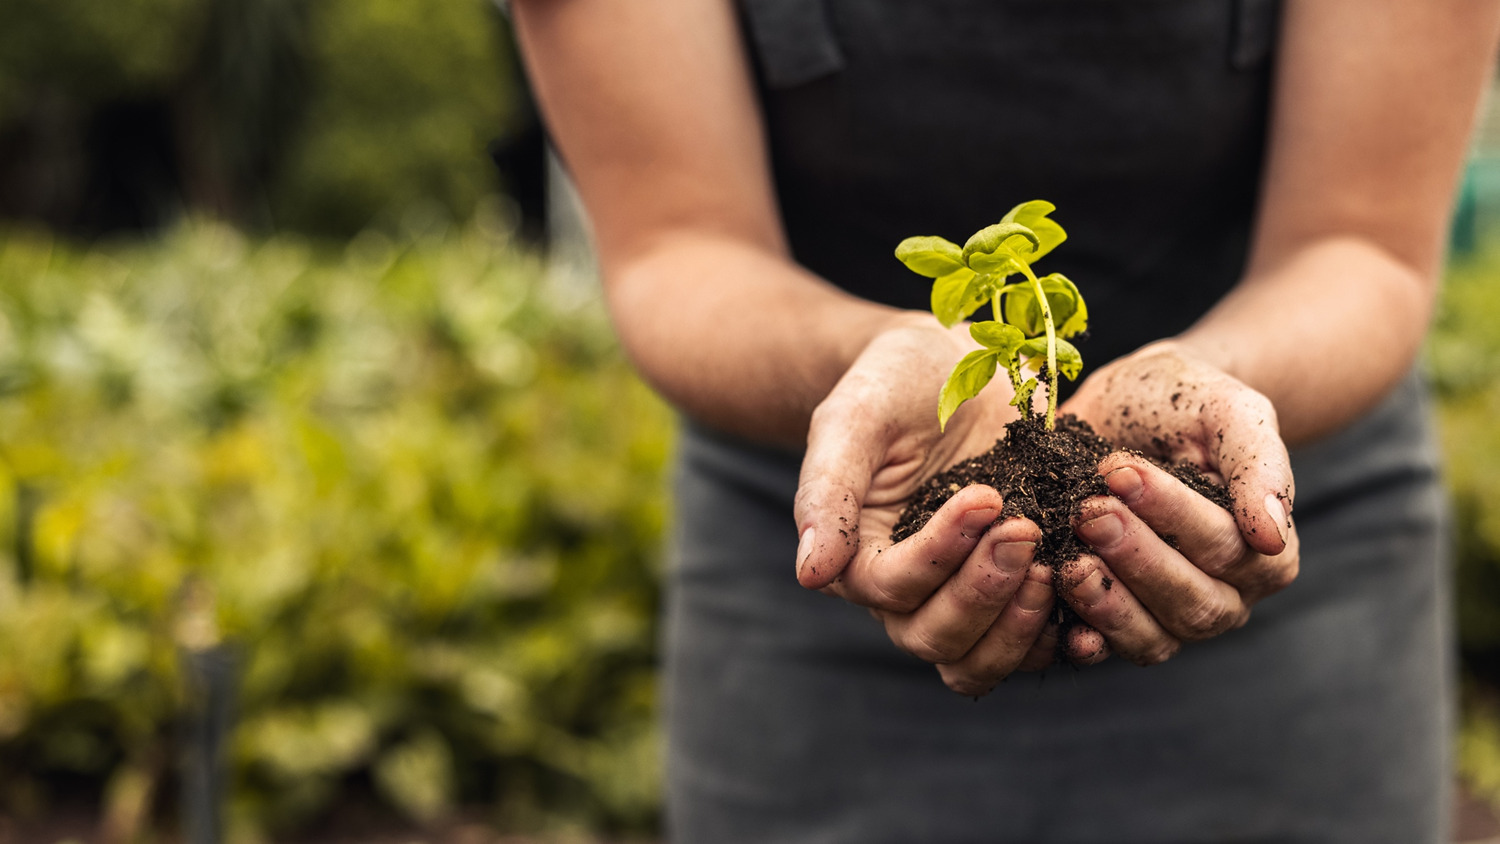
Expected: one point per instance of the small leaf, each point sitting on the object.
(1022, 398)
(980, 252)
(1033, 215)
(1022, 310)
(968, 378)
(933, 257)
(1077, 320)
(1005, 339)
(1069, 361)
(952, 300)
(1002, 263)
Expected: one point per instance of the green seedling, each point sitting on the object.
(1033, 317)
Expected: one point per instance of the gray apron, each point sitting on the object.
(791, 718)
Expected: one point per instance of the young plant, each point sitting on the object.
(1033, 317)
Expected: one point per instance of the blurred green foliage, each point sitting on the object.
(92, 51)
(405, 96)
(418, 492)
(320, 116)
(1463, 357)
(1464, 363)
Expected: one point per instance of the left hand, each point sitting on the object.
(1170, 566)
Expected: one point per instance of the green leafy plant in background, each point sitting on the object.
(417, 490)
(318, 116)
(1033, 317)
(1463, 365)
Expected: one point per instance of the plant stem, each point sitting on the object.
(1041, 298)
(1013, 371)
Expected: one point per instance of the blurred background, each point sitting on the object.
(329, 509)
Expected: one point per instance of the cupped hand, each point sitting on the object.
(963, 592)
(1169, 566)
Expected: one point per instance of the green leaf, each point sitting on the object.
(1022, 398)
(1005, 339)
(952, 297)
(1069, 361)
(992, 247)
(1068, 323)
(1002, 263)
(967, 379)
(1022, 310)
(933, 257)
(1033, 215)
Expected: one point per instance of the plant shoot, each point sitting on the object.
(1033, 316)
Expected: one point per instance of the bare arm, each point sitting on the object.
(1374, 104)
(1373, 108)
(651, 105)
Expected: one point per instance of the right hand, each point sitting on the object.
(960, 593)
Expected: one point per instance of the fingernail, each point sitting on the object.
(804, 550)
(1011, 557)
(975, 522)
(1091, 589)
(1034, 596)
(1277, 511)
(1125, 483)
(1102, 530)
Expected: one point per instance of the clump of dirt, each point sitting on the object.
(1043, 475)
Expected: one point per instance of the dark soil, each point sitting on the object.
(1044, 476)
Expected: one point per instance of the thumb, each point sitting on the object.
(836, 471)
(1254, 461)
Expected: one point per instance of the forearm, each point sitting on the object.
(1373, 106)
(654, 111)
(736, 335)
(1324, 332)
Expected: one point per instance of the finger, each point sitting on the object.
(1043, 653)
(1091, 589)
(1008, 641)
(836, 469)
(1086, 646)
(900, 577)
(1254, 461)
(1202, 531)
(946, 626)
(1188, 602)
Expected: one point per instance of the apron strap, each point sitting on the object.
(793, 40)
(1255, 27)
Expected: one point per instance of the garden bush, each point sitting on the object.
(1464, 363)
(410, 487)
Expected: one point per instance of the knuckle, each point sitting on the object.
(831, 412)
(1205, 619)
(920, 644)
(1077, 571)
(1223, 549)
(1254, 403)
(983, 592)
(1283, 575)
(885, 596)
(964, 682)
(1157, 653)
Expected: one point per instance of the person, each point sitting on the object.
(1256, 195)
